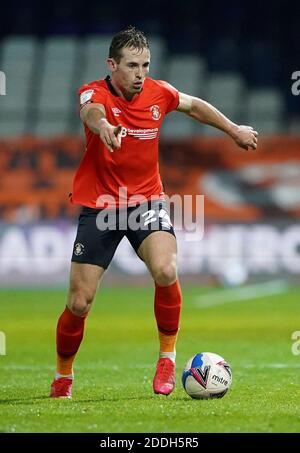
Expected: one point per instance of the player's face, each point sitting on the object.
(130, 73)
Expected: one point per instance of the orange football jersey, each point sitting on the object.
(135, 165)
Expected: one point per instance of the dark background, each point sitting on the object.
(259, 39)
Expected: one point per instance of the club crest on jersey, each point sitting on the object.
(116, 111)
(78, 249)
(155, 111)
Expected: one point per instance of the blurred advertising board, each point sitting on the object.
(40, 253)
(250, 217)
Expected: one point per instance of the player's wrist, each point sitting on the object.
(232, 130)
(103, 123)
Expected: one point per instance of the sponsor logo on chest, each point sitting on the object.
(141, 134)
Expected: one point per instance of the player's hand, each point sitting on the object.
(244, 136)
(111, 135)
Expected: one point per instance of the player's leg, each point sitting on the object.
(84, 280)
(93, 251)
(158, 251)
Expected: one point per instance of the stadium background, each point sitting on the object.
(240, 56)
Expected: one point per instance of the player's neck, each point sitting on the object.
(121, 92)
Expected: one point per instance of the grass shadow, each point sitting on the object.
(25, 400)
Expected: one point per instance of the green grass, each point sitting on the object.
(115, 365)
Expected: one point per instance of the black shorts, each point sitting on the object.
(100, 231)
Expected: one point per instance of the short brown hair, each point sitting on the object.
(130, 37)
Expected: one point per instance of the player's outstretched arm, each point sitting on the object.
(93, 115)
(202, 111)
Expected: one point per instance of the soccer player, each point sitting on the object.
(122, 116)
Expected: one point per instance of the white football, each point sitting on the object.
(206, 375)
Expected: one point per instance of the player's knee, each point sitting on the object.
(79, 303)
(165, 274)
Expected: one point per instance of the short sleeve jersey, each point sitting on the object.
(131, 171)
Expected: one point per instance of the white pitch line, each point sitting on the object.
(243, 293)
(102, 366)
(271, 365)
(96, 366)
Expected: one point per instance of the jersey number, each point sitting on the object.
(149, 217)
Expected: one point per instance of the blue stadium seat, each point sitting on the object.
(226, 92)
(56, 91)
(264, 107)
(18, 53)
(158, 52)
(94, 53)
(187, 73)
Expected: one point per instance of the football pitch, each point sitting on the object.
(114, 368)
